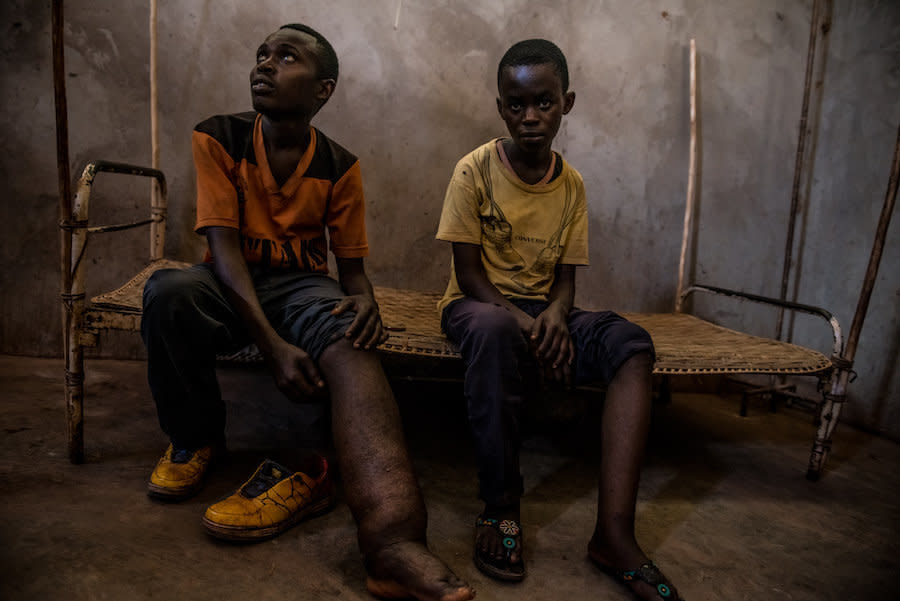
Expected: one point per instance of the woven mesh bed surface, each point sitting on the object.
(689, 345)
(127, 299)
(684, 344)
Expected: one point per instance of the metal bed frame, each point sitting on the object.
(685, 344)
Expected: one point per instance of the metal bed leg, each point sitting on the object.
(772, 391)
(833, 401)
(73, 315)
(831, 411)
(75, 403)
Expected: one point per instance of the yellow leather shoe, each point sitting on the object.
(179, 473)
(271, 501)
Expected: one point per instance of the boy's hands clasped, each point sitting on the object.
(551, 343)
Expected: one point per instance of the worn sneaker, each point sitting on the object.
(179, 473)
(271, 501)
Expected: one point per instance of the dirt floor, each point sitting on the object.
(724, 507)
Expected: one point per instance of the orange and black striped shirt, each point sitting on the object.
(280, 226)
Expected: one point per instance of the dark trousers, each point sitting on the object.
(496, 356)
(187, 321)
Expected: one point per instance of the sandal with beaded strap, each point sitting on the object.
(502, 568)
(648, 573)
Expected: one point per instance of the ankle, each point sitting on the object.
(505, 511)
(376, 536)
(620, 551)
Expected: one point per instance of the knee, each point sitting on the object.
(342, 358)
(638, 367)
(165, 286)
(640, 362)
(171, 296)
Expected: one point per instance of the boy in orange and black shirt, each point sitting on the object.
(269, 189)
(281, 226)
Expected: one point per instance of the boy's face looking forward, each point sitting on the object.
(284, 82)
(532, 103)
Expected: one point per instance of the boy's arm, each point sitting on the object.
(366, 330)
(294, 370)
(473, 282)
(551, 329)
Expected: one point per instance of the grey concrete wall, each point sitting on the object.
(417, 91)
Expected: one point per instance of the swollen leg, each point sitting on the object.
(380, 485)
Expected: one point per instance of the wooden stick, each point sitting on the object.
(799, 162)
(692, 180)
(71, 303)
(836, 393)
(62, 136)
(154, 92)
(875, 257)
(157, 228)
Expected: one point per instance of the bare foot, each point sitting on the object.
(615, 563)
(409, 570)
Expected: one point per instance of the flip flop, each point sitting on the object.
(648, 573)
(501, 569)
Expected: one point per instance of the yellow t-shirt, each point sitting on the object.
(524, 230)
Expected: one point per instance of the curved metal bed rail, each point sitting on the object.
(837, 335)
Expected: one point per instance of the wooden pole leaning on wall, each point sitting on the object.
(72, 299)
(837, 393)
(820, 20)
(692, 181)
(884, 220)
(157, 206)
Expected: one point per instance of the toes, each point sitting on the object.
(411, 570)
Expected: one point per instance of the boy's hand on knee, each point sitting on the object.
(366, 331)
(560, 373)
(526, 325)
(295, 373)
(553, 345)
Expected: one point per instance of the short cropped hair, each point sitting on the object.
(327, 60)
(535, 52)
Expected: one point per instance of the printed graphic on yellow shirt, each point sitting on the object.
(542, 270)
(495, 228)
(498, 232)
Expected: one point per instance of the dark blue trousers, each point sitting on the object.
(187, 321)
(496, 356)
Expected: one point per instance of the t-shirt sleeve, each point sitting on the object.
(575, 245)
(217, 199)
(460, 217)
(346, 217)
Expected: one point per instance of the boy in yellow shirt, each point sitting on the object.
(516, 215)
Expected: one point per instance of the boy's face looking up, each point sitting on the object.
(285, 83)
(532, 103)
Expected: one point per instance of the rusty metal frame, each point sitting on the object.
(80, 325)
(837, 336)
(834, 394)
